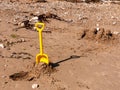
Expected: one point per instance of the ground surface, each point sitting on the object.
(88, 59)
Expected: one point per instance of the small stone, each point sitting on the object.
(112, 17)
(34, 86)
(97, 25)
(1, 45)
(22, 39)
(34, 19)
(116, 33)
(5, 65)
(114, 23)
(34, 28)
(22, 24)
(3, 76)
(66, 13)
(37, 13)
(97, 29)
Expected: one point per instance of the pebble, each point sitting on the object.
(37, 12)
(114, 23)
(3, 76)
(22, 39)
(112, 17)
(66, 13)
(5, 65)
(1, 45)
(97, 29)
(34, 86)
(97, 25)
(21, 24)
(34, 19)
(116, 33)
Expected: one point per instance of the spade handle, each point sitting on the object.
(40, 27)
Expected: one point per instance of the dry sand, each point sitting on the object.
(85, 50)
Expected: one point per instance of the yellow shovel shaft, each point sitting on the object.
(41, 43)
(39, 29)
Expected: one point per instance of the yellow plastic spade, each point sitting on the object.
(41, 57)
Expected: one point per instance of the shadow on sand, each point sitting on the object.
(72, 57)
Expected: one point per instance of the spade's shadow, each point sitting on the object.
(72, 57)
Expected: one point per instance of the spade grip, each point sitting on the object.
(39, 26)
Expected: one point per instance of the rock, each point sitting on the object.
(37, 12)
(34, 86)
(116, 32)
(97, 28)
(1, 45)
(114, 23)
(112, 17)
(22, 40)
(97, 25)
(34, 19)
(5, 65)
(3, 76)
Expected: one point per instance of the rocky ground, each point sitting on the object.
(81, 39)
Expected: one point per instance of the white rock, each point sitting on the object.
(34, 19)
(97, 28)
(37, 12)
(5, 65)
(22, 39)
(97, 25)
(21, 24)
(114, 23)
(66, 13)
(34, 86)
(116, 33)
(112, 17)
(1, 45)
(34, 28)
(3, 76)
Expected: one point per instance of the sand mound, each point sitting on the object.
(35, 71)
(101, 36)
